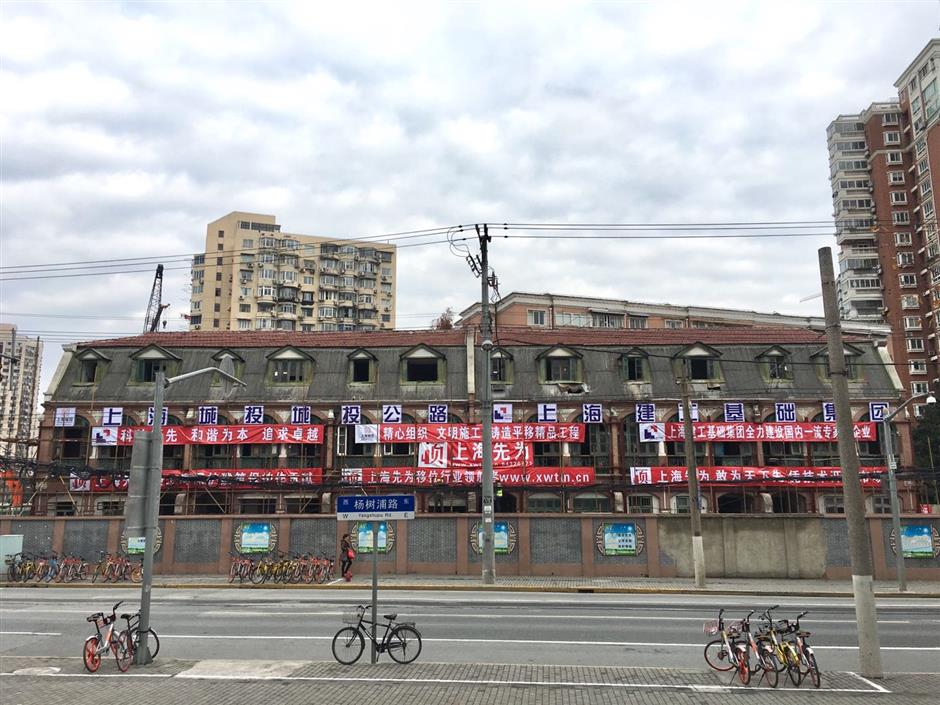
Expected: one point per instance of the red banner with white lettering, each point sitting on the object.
(250, 478)
(532, 432)
(457, 477)
(469, 454)
(808, 476)
(724, 431)
(235, 434)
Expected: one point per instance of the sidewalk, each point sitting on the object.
(41, 681)
(726, 586)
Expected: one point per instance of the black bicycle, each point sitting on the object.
(401, 640)
(132, 633)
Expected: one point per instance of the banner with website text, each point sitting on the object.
(457, 477)
(793, 476)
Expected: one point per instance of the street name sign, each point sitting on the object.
(377, 508)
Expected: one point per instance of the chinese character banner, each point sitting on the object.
(534, 432)
(458, 477)
(469, 454)
(792, 476)
(722, 431)
(236, 434)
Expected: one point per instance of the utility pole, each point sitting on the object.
(869, 649)
(486, 404)
(695, 508)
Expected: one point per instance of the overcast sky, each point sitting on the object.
(127, 127)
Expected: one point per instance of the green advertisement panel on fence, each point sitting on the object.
(620, 539)
(255, 537)
(916, 541)
(364, 532)
(500, 536)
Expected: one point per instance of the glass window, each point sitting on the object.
(361, 370)
(287, 371)
(88, 372)
(562, 369)
(641, 504)
(536, 318)
(833, 504)
(591, 502)
(538, 502)
(422, 370)
(147, 369)
(634, 367)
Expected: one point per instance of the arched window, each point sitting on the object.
(71, 443)
(173, 454)
(305, 455)
(733, 453)
(545, 455)
(259, 455)
(738, 502)
(595, 450)
(635, 452)
(116, 457)
(675, 450)
(396, 455)
(825, 455)
(783, 453)
(447, 501)
(349, 453)
(872, 452)
(642, 504)
(538, 502)
(788, 502)
(591, 502)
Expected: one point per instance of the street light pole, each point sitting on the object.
(152, 498)
(893, 488)
(488, 557)
(695, 508)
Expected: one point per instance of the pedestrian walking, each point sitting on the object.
(348, 553)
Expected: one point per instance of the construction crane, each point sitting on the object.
(155, 307)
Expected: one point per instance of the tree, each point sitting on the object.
(926, 438)
(445, 321)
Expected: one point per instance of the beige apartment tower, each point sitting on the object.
(253, 276)
(20, 360)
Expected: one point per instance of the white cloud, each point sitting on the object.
(127, 127)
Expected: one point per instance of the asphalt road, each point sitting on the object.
(461, 627)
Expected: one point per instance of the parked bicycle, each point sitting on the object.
(98, 644)
(763, 659)
(808, 665)
(728, 651)
(786, 656)
(401, 640)
(131, 633)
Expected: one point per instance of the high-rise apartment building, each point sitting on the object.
(879, 161)
(20, 361)
(253, 276)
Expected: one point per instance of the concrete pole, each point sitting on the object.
(695, 508)
(375, 588)
(154, 477)
(869, 649)
(895, 502)
(486, 403)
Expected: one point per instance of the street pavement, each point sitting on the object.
(220, 645)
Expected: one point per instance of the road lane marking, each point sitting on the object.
(32, 633)
(879, 688)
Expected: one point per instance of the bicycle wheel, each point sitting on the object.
(767, 662)
(233, 572)
(153, 643)
(123, 651)
(403, 644)
(743, 666)
(813, 669)
(717, 656)
(90, 655)
(137, 573)
(792, 662)
(259, 574)
(348, 645)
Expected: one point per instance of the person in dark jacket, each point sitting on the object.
(346, 549)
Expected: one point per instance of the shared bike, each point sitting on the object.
(401, 640)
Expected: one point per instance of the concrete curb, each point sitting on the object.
(587, 589)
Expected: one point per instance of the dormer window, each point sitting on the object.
(776, 364)
(500, 367)
(422, 365)
(560, 365)
(701, 363)
(362, 367)
(91, 365)
(290, 366)
(151, 360)
(852, 357)
(635, 366)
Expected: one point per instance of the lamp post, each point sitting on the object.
(152, 494)
(893, 487)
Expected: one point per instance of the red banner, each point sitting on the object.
(532, 432)
(469, 454)
(235, 434)
(723, 431)
(250, 478)
(809, 476)
(456, 477)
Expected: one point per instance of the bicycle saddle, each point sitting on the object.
(391, 617)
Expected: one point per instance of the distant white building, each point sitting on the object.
(20, 361)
